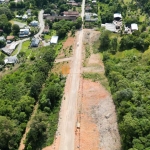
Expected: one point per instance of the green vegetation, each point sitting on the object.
(127, 69)
(44, 125)
(18, 93)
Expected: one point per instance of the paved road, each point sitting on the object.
(41, 23)
(67, 125)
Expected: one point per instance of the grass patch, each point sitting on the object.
(97, 77)
(25, 48)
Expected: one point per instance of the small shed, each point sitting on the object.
(117, 16)
(35, 42)
(134, 27)
(54, 40)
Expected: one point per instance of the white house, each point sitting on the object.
(34, 23)
(24, 32)
(134, 27)
(54, 40)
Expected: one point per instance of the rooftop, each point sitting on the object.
(54, 39)
(134, 26)
(117, 15)
(11, 60)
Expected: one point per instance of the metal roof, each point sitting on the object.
(134, 26)
(110, 27)
(54, 39)
(117, 15)
(11, 60)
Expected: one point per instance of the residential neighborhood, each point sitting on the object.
(74, 74)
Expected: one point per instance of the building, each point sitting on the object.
(10, 39)
(24, 32)
(2, 1)
(109, 26)
(71, 13)
(54, 40)
(11, 60)
(34, 23)
(25, 16)
(134, 27)
(117, 16)
(35, 42)
(52, 18)
(29, 11)
(73, 3)
(9, 48)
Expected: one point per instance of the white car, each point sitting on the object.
(78, 44)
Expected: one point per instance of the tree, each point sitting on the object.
(5, 24)
(15, 29)
(114, 45)
(9, 134)
(104, 40)
(37, 133)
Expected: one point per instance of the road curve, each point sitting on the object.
(67, 125)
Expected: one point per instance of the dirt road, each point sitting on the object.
(67, 126)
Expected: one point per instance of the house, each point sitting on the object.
(46, 29)
(34, 23)
(2, 38)
(35, 42)
(71, 13)
(11, 60)
(9, 48)
(25, 16)
(24, 32)
(10, 39)
(117, 16)
(2, 1)
(73, 3)
(134, 27)
(52, 18)
(45, 15)
(54, 40)
(29, 12)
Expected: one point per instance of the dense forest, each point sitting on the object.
(127, 67)
(19, 91)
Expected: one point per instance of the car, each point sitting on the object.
(78, 44)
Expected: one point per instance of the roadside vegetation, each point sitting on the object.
(127, 67)
(19, 92)
(126, 59)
